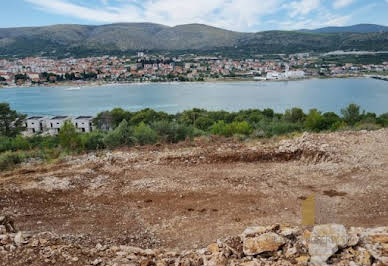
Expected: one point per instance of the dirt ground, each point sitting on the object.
(188, 195)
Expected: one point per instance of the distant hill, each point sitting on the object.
(124, 38)
(360, 28)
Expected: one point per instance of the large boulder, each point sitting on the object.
(325, 241)
(266, 242)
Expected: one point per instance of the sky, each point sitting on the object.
(239, 15)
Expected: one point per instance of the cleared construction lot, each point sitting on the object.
(190, 194)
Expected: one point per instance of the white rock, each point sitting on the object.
(325, 241)
(19, 239)
(263, 243)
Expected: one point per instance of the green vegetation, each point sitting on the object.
(11, 122)
(120, 128)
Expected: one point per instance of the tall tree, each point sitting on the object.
(351, 114)
(11, 122)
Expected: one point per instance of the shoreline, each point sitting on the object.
(226, 80)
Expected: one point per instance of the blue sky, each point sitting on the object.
(241, 15)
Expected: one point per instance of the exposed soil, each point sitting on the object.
(188, 195)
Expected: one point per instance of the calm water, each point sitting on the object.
(326, 95)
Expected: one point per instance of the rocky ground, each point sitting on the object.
(271, 245)
(170, 201)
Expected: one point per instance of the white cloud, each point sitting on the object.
(303, 7)
(110, 14)
(234, 14)
(241, 15)
(342, 3)
(323, 20)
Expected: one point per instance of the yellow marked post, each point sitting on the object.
(308, 210)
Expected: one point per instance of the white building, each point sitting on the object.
(297, 74)
(54, 124)
(36, 124)
(83, 123)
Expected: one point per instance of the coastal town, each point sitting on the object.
(188, 67)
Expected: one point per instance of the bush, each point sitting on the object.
(203, 123)
(221, 128)
(121, 136)
(228, 130)
(330, 119)
(351, 114)
(69, 138)
(148, 116)
(295, 115)
(172, 132)
(144, 134)
(280, 128)
(189, 117)
(367, 126)
(183, 132)
(276, 128)
(383, 120)
(10, 159)
(369, 118)
(315, 121)
(268, 113)
(93, 141)
(339, 125)
(11, 122)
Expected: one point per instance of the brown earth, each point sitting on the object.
(188, 195)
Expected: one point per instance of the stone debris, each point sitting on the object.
(325, 241)
(264, 245)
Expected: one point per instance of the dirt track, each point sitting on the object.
(189, 195)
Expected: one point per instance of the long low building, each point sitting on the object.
(52, 126)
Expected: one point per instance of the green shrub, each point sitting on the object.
(339, 125)
(351, 114)
(93, 141)
(120, 136)
(268, 113)
(172, 132)
(221, 116)
(203, 123)
(295, 115)
(277, 128)
(144, 134)
(315, 121)
(5, 144)
(280, 128)
(330, 119)
(242, 128)
(189, 117)
(10, 159)
(369, 118)
(220, 128)
(183, 132)
(69, 138)
(383, 120)
(367, 126)
(228, 130)
(148, 116)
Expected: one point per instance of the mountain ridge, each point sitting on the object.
(121, 38)
(357, 28)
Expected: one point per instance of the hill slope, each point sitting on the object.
(81, 40)
(359, 28)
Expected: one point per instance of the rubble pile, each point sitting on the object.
(262, 245)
